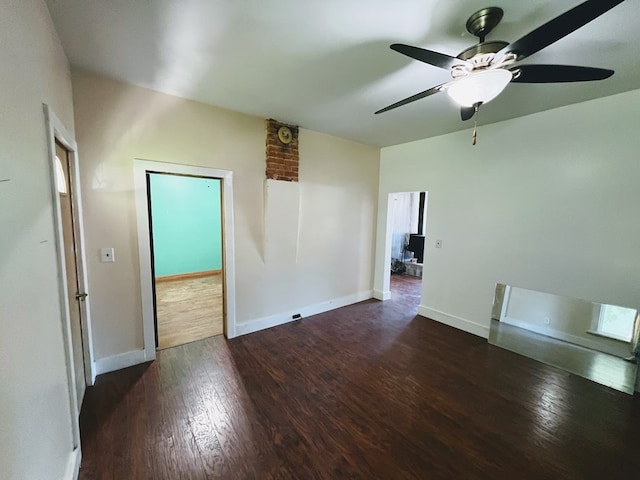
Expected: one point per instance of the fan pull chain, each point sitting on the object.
(475, 133)
(475, 125)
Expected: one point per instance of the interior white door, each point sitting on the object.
(71, 263)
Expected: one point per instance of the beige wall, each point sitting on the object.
(547, 202)
(337, 193)
(35, 422)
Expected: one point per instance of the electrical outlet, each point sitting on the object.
(547, 321)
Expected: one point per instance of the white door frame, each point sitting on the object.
(57, 131)
(140, 169)
(382, 274)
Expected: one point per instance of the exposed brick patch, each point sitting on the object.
(282, 158)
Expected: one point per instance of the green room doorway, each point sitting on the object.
(187, 260)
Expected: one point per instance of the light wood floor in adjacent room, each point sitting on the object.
(188, 310)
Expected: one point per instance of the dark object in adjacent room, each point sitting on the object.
(416, 245)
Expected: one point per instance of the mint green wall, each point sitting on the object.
(186, 224)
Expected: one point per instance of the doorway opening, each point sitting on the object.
(406, 223)
(143, 171)
(186, 244)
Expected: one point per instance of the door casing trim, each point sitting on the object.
(57, 131)
(140, 169)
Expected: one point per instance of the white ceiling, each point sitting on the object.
(326, 64)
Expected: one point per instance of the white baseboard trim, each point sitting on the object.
(73, 466)
(120, 361)
(568, 337)
(382, 295)
(245, 328)
(455, 322)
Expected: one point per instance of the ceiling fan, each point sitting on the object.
(481, 72)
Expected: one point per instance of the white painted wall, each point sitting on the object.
(337, 203)
(35, 421)
(547, 202)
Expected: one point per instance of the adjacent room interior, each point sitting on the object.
(186, 234)
(315, 331)
(407, 221)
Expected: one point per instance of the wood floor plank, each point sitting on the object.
(189, 309)
(369, 391)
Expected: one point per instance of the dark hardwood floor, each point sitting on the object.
(369, 391)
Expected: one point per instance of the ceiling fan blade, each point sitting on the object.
(466, 113)
(412, 98)
(436, 59)
(558, 73)
(559, 27)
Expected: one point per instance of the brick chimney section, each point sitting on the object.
(282, 151)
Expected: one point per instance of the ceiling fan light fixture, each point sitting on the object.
(479, 87)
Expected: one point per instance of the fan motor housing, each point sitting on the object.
(481, 49)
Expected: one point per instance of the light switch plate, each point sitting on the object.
(107, 255)
(438, 243)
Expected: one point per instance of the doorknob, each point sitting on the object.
(81, 296)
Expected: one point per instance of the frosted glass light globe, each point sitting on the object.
(479, 87)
